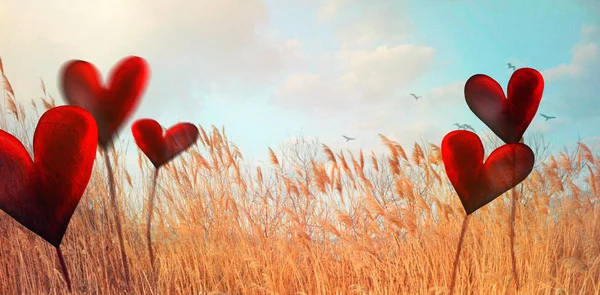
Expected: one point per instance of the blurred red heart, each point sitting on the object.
(42, 194)
(478, 183)
(110, 106)
(507, 117)
(148, 135)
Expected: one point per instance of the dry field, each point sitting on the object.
(313, 221)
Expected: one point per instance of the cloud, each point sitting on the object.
(401, 119)
(331, 8)
(375, 74)
(575, 86)
(439, 106)
(193, 46)
(196, 49)
(561, 71)
(312, 91)
(365, 23)
(583, 55)
(442, 97)
(364, 89)
(363, 77)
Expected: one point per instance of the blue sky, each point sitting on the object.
(468, 38)
(273, 70)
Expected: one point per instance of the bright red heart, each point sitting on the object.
(477, 183)
(42, 194)
(148, 135)
(110, 106)
(507, 117)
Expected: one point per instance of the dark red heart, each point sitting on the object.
(148, 135)
(42, 194)
(478, 183)
(112, 105)
(507, 117)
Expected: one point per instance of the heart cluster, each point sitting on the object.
(42, 193)
(113, 104)
(476, 182)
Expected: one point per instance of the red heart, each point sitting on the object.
(477, 183)
(81, 85)
(42, 194)
(507, 117)
(148, 135)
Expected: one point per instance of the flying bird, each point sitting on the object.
(464, 126)
(348, 138)
(416, 97)
(510, 66)
(547, 117)
(467, 126)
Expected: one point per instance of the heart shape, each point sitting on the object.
(42, 194)
(478, 183)
(111, 105)
(148, 135)
(507, 117)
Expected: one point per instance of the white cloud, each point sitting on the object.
(446, 96)
(583, 54)
(191, 45)
(401, 119)
(330, 8)
(577, 83)
(561, 71)
(381, 22)
(194, 48)
(308, 91)
(441, 106)
(366, 23)
(374, 75)
(364, 77)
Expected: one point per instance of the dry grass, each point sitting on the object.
(330, 224)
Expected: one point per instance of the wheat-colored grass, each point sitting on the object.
(330, 224)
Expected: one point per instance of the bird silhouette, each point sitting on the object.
(348, 138)
(547, 117)
(416, 97)
(467, 126)
(464, 126)
(510, 66)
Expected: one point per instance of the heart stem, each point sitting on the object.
(63, 267)
(460, 243)
(513, 213)
(113, 199)
(149, 221)
(512, 238)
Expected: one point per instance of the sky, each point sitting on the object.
(270, 71)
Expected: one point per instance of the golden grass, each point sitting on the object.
(330, 225)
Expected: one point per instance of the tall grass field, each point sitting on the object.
(312, 221)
